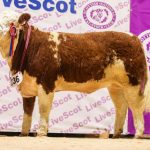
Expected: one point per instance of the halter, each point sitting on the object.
(26, 46)
(13, 33)
(17, 78)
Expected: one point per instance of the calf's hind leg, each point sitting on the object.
(119, 101)
(136, 104)
(121, 111)
(28, 106)
(138, 121)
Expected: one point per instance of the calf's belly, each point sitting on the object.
(87, 87)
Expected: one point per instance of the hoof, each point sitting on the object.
(143, 136)
(116, 136)
(41, 133)
(138, 136)
(23, 134)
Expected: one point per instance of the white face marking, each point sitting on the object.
(7, 17)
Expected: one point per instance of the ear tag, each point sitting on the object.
(16, 79)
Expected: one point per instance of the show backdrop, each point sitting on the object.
(140, 25)
(72, 112)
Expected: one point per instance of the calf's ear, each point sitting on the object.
(24, 18)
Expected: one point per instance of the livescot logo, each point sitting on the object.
(145, 39)
(99, 15)
(62, 6)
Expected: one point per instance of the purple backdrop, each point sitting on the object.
(140, 21)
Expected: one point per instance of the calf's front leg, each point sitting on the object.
(28, 106)
(45, 103)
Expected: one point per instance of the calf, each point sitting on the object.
(79, 62)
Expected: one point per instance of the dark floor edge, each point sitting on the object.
(63, 135)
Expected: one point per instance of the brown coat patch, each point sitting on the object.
(82, 57)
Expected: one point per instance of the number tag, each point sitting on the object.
(16, 79)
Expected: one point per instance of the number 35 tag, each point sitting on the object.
(16, 79)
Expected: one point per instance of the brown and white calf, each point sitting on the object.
(79, 62)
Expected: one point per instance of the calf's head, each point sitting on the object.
(10, 21)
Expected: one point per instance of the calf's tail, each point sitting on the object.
(147, 96)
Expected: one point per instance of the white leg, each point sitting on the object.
(136, 104)
(45, 103)
(138, 121)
